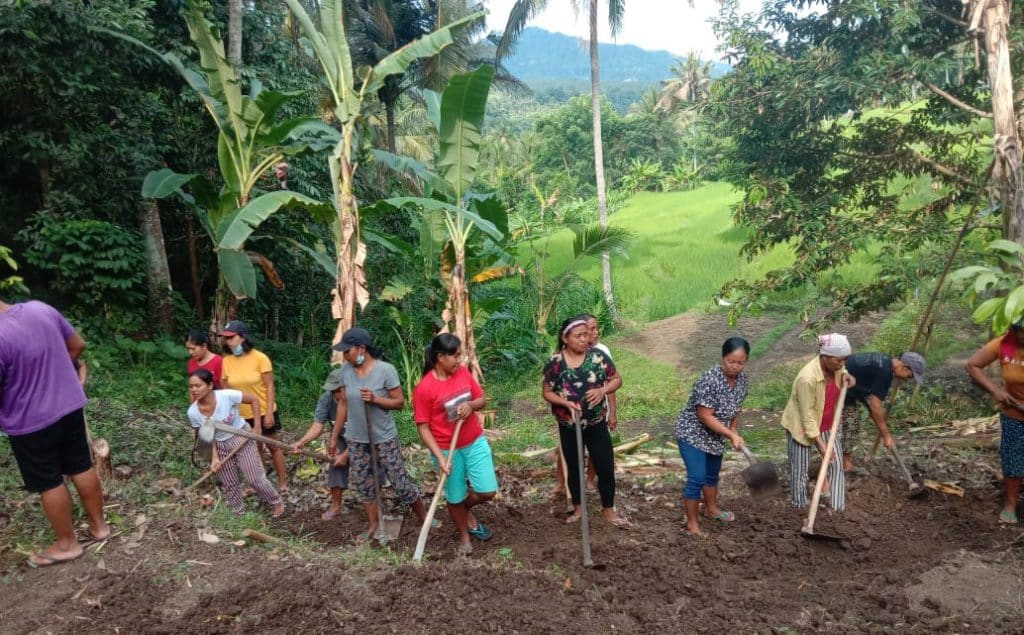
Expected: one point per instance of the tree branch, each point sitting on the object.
(956, 102)
(938, 167)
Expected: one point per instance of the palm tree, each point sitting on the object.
(690, 82)
(521, 13)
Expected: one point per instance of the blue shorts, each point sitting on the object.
(475, 464)
(1011, 447)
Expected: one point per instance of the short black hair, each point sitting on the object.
(734, 343)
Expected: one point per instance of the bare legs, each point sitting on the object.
(57, 507)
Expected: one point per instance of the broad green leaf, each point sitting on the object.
(987, 309)
(308, 131)
(485, 226)
(967, 272)
(164, 182)
(322, 258)
(1014, 304)
(228, 164)
(324, 53)
(432, 99)
(391, 243)
(402, 164)
(984, 281)
(463, 106)
(220, 76)
(490, 207)
(426, 46)
(238, 272)
(1007, 246)
(234, 230)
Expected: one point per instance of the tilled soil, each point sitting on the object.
(937, 565)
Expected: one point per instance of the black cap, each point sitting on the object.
(235, 327)
(353, 337)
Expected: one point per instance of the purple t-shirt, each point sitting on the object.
(38, 381)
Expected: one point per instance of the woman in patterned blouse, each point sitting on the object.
(576, 379)
(709, 418)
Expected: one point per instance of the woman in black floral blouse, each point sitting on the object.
(577, 378)
(709, 418)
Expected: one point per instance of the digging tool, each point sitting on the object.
(421, 542)
(211, 427)
(915, 488)
(761, 477)
(210, 473)
(588, 562)
(388, 527)
(807, 531)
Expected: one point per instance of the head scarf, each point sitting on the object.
(834, 345)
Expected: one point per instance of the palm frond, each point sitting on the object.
(522, 12)
(593, 241)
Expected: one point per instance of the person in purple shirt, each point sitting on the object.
(41, 410)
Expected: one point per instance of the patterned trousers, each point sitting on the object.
(799, 463)
(248, 462)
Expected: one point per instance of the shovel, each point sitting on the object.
(421, 542)
(588, 562)
(761, 477)
(388, 527)
(210, 428)
(916, 490)
(807, 531)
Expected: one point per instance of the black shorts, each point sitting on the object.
(46, 456)
(259, 428)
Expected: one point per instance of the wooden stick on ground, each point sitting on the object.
(259, 536)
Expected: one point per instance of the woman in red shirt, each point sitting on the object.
(200, 356)
(447, 393)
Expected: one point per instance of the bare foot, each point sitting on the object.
(615, 519)
(51, 556)
(591, 485)
(101, 532)
(278, 510)
(575, 516)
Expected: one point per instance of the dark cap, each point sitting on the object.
(333, 381)
(353, 337)
(235, 327)
(916, 363)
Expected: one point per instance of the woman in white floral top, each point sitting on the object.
(710, 417)
(577, 378)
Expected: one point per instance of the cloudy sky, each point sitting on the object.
(669, 25)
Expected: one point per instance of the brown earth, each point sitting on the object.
(938, 565)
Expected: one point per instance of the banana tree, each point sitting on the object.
(459, 121)
(250, 141)
(348, 91)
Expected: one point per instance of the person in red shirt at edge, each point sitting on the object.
(200, 356)
(447, 393)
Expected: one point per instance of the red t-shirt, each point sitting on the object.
(215, 366)
(831, 402)
(428, 406)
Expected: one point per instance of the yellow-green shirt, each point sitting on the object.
(802, 416)
(245, 373)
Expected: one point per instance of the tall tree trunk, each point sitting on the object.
(602, 199)
(235, 33)
(158, 274)
(350, 289)
(389, 112)
(193, 266)
(1007, 185)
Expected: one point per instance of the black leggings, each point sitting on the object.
(598, 442)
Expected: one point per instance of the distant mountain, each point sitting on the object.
(543, 55)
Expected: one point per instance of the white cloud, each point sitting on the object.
(669, 25)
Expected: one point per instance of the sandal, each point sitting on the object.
(1007, 518)
(39, 560)
(330, 514)
(481, 531)
(435, 523)
(363, 538)
(722, 516)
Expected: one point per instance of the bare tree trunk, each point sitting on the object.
(158, 274)
(602, 200)
(350, 289)
(235, 33)
(1007, 187)
(193, 265)
(389, 112)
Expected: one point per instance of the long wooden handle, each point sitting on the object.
(421, 542)
(210, 473)
(829, 448)
(272, 442)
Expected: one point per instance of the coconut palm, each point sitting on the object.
(690, 83)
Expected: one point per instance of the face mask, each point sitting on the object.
(238, 351)
(360, 359)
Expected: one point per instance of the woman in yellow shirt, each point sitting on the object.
(250, 370)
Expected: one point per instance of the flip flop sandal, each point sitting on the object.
(435, 523)
(481, 531)
(621, 523)
(363, 538)
(724, 516)
(1007, 518)
(42, 560)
